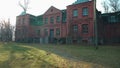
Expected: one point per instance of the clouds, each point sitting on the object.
(98, 5)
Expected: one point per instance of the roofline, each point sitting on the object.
(27, 14)
(113, 13)
(80, 3)
(51, 7)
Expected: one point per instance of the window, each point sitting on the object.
(112, 19)
(85, 28)
(75, 28)
(85, 11)
(58, 31)
(64, 14)
(58, 19)
(18, 21)
(45, 32)
(46, 20)
(24, 31)
(18, 32)
(38, 32)
(51, 20)
(75, 13)
(23, 20)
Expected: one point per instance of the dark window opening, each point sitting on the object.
(75, 28)
(51, 20)
(58, 19)
(85, 28)
(58, 31)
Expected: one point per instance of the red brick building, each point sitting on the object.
(73, 25)
(77, 28)
(80, 22)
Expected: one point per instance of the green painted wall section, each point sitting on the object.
(36, 21)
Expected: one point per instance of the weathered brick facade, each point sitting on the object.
(56, 24)
(22, 27)
(80, 20)
(73, 25)
(25, 29)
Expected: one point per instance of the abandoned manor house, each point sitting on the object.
(75, 24)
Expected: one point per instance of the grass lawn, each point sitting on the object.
(17, 55)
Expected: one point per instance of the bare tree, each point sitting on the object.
(24, 6)
(111, 5)
(6, 31)
(105, 6)
(115, 5)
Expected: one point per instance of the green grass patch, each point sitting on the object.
(16, 55)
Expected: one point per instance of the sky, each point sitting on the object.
(10, 8)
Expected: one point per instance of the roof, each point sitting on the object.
(109, 18)
(52, 10)
(26, 14)
(23, 13)
(114, 13)
(80, 1)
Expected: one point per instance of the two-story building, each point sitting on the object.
(76, 24)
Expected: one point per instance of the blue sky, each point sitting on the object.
(11, 9)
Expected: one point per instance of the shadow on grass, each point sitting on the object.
(18, 56)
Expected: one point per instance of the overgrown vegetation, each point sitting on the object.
(111, 6)
(6, 30)
(14, 55)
